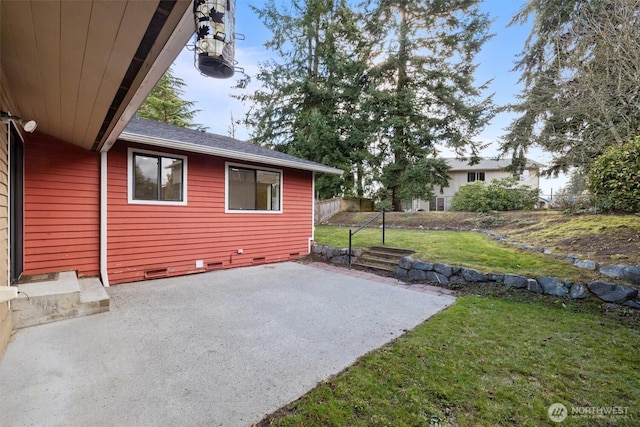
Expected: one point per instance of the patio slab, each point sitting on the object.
(218, 349)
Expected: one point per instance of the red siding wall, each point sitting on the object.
(148, 241)
(62, 207)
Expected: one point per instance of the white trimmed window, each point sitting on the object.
(475, 176)
(252, 189)
(157, 178)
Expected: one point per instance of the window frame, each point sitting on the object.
(476, 176)
(131, 176)
(228, 210)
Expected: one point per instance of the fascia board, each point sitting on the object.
(178, 39)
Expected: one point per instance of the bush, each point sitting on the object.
(614, 178)
(486, 220)
(575, 204)
(498, 195)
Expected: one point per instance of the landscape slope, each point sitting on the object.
(604, 238)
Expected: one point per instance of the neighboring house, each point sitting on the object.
(462, 173)
(83, 193)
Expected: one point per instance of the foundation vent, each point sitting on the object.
(214, 265)
(156, 273)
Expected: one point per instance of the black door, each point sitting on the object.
(16, 200)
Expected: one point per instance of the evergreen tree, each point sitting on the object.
(165, 103)
(308, 104)
(576, 184)
(579, 68)
(336, 95)
(425, 91)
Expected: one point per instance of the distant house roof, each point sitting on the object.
(486, 164)
(168, 136)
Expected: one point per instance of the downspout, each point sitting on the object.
(103, 219)
(313, 211)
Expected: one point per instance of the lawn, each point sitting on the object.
(488, 361)
(459, 248)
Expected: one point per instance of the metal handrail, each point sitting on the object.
(352, 233)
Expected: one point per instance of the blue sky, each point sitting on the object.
(212, 96)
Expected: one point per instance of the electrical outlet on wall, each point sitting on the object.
(240, 251)
(199, 263)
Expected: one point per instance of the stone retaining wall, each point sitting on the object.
(627, 273)
(411, 269)
(335, 256)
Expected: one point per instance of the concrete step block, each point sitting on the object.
(46, 301)
(93, 297)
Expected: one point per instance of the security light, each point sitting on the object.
(27, 125)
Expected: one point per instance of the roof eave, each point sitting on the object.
(222, 152)
(178, 39)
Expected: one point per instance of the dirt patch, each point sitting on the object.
(605, 239)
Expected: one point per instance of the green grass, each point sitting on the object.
(459, 248)
(552, 226)
(486, 361)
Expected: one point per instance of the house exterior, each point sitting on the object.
(178, 201)
(93, 191)
(462, 173)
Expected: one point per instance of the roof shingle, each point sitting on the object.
(162, 134)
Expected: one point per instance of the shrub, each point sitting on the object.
(614, 178)
(498, 195)
(486, 220)
(575, 204)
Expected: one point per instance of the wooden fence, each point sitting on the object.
(326, 208)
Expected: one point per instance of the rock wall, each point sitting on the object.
(416, 270)
(333, 255)
(627, 273)
(410, 269)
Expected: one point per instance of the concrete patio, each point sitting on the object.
(216, 349)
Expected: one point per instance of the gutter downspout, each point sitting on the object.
(104, 275)
(313, 212)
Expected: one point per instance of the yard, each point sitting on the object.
(498, 356)
(488, 360)
(607, 239)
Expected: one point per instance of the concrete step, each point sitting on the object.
(93, 296)
(370, 259)
(59, 297)
(378, 269)
(381, 259)
(389, 250)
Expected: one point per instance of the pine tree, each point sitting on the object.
(165, 103)
(579, 68)
(308, 104)
(336, 95)
(426, 94)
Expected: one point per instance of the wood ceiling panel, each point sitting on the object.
(19, 61)
(6, 100)
(46, 20)
(132, 27)
(63, 61)
(170, 40)
(103, 29)
(74, 27)
(10, 66)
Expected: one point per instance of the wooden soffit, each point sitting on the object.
(81, 67)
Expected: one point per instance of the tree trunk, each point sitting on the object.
(400, 158)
